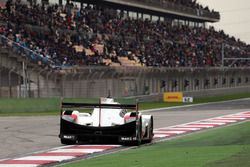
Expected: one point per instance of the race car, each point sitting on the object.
(108, 122)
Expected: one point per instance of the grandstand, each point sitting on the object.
(90, 47)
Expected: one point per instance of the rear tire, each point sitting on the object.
(151, 130)
(139, 133)
(68, 142)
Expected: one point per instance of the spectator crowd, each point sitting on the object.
(66, 35)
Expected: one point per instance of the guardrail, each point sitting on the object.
(179, 8)
(21, 50)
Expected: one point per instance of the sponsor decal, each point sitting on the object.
(125, 138)
(70, 137)
(173, 97)
(188, 100)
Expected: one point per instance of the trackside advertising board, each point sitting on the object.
(173, 97)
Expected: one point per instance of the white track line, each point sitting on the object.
(183, 128)
(160, 135)
(170, 132)
(193, 105)
(18, 165)
(231, 118)
(212, 123)
(78, 150)
(46, 158)
(223, 121)
(241, 115)
(96, 145)
(197, 126)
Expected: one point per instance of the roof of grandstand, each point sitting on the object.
(181, 9)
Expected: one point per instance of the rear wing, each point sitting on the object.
(99, 105)
(66, 105)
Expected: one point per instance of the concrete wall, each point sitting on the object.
(90, 82)
(197, 94)
(195, 82)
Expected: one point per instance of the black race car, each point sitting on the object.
(109, 122)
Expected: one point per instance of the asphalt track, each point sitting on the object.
(21, 136)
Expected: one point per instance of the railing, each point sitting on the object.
(25, 52)
(179, 8)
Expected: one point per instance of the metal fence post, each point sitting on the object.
(0, 81)
(63, 85)
(38, 83)
(24, 78)
(29, 72)
(10, 84)
(73, 88)
(79, 84)
(47, 83)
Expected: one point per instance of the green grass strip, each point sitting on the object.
(29, 105)
(51, 106)
(223, 147)
(152, 105)
(42, 106)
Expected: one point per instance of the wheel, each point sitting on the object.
(68, 142)
(151, 130)
(139, 133)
